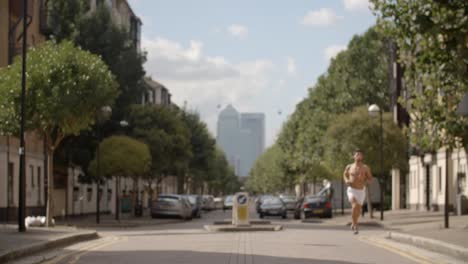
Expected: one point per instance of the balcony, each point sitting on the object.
(45, 18)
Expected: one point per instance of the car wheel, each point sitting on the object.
(153, 216)
(285, 216)
(261, 215)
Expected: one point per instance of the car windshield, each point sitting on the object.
(168, 199)
(323, 192)
(192, 199)
(272, 200)
(229, 198)
(288, 198)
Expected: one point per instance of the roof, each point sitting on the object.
(229, 111)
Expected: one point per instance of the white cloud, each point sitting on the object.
(291, 65)
(321, 17)
(205, 81)
(238, 31)
(333, 50)
(356, 4)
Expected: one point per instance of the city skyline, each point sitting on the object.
(242, 138)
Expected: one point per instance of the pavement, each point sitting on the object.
(15, 245)
(403, 237)
(419, 228)
(189, 243)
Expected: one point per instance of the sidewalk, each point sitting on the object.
(14, 245)
(419, 228)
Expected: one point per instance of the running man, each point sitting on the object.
(357, 176)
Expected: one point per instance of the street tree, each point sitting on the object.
(163, 130)
(267, 176)
(66, 86)
(432, 37)
(202, 148)
(122, 156)
(358, 130)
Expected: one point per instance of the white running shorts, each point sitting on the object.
(357, 194)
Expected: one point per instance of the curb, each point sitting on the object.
(431, 244)
(43, 246)
(230, 228)
(123, 225)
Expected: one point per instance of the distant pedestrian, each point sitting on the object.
(357, 176)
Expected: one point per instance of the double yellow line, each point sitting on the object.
(76, 255)
(410, 255)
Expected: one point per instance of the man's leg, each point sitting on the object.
(355, 212)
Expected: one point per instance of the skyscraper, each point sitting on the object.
(242, 138)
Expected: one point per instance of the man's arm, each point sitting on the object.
(346, 174)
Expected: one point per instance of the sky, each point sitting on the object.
(258, 55)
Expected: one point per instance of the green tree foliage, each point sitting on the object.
(267, 176)
(202, 148)
(221, 177)
(355, 77)
(98, 34)
(66, 86)
(64, 17)
(164, 131)
(433, 40)
(122, 156)
(358, 130)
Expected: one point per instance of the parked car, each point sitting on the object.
(208, 202)
(259, 201)
(171, 205)
(317, 205)
(196, 203)
(290, 202)
(273, 206)
(228, 202)
(218, 202)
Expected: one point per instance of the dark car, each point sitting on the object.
(196, 203)
(310, 206)
(273, 206)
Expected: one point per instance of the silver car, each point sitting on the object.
(290, 202)
(171, 205)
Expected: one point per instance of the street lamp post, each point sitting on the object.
(373, 111)
(123, 124)
(105, 112)
(22, 150)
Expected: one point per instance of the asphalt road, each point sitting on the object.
(188, 242)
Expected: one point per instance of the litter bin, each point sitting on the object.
(139, 209)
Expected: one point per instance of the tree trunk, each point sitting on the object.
(180, 184)
(50, 186)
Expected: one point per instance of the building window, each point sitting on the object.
(109, 195)
(11, 173)
(76, 193)
(90, 194)
(39, 176)
(31, 172)
(440, 179)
